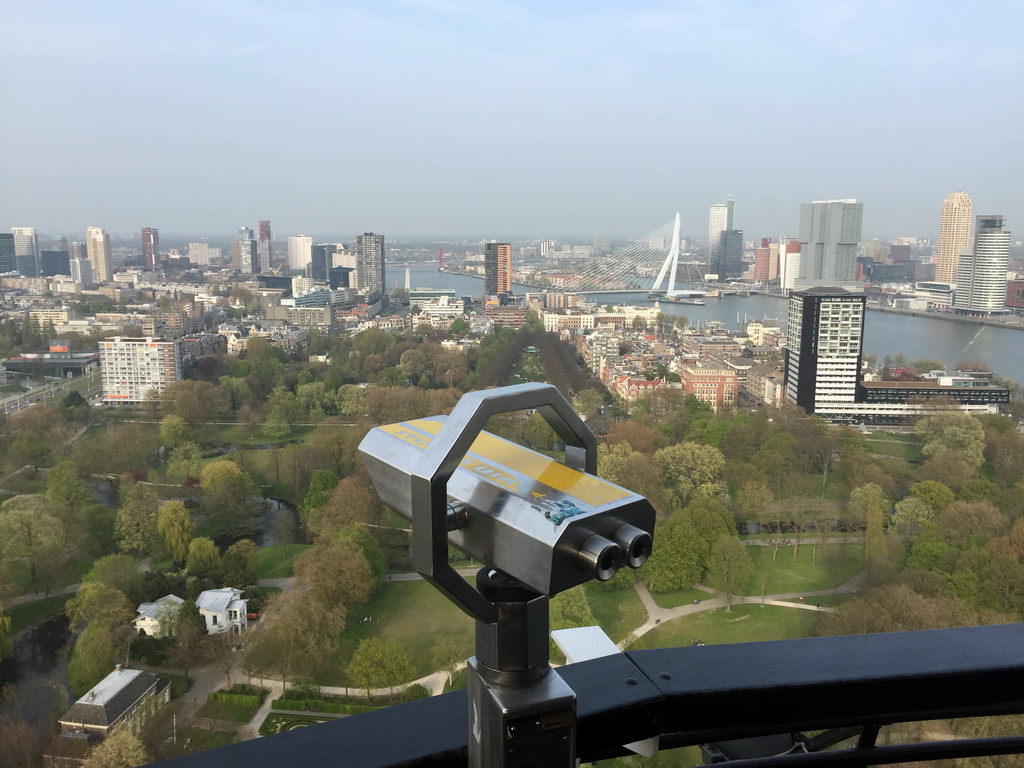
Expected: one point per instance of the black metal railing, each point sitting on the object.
(848, 686)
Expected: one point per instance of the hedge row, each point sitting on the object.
(235, 698)
(319, 705)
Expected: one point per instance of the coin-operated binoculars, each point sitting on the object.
(539, 526)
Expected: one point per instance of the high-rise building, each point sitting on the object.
(322, 260)
(762, 259)
(824, 344)
(300, 252)
(981, 271)
(97, 246)
(81, 271)
(151, 247)
(265, 246)
(721, 219)
(829, 237)
(245, 252)
(730, 263)
(199, 253)
(954, 235)
(54, 262)
(370, 262)
(497, 268)
(26, 251)
(136, 370)
(8, 255)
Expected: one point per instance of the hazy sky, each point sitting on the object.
(505, 119)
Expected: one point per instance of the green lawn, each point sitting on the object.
(744, 624)
(276, 562)
(21, 575)
(786, 575)
(618, 612)
(192, 740)
(226, 710)
(414, 614)
(24, 484)
(897, 450)
(677, 597)
(29, 613)
(238, 434)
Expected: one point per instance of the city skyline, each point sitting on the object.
(613, 116)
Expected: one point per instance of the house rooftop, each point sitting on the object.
(157, 608)
(106, 701)
(217, 599)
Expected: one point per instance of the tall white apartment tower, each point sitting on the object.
(981, 271)
(954, 235)
(300, 252)
(137, 369)
(26, 251)
(824, 343)
(829, 237)
(97, 249)
(720, 219)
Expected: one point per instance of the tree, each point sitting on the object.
(352, 501)
(91, 658)
(98, 604)
(231, 501)
(448, 654)
(26, 528)
(729, 567)
(196, 402)
(335, 572)
(173, 431)
(870, 501)
(203, 557)
(911, 515)
(117, 571)
(379, 663)
(174, 524)
(184, 460)
(897, 608)
(121, 749)
(50, 562)
(954, 431)
(690, 469)
(135, 527)
(933, 493)
(964, 524)
(68, 492)
(238, 563)
(190, 647)
(570, 609)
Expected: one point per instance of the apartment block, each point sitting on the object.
(135, 370)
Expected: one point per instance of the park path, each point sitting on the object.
(70, 589)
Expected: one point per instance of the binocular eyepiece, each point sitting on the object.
(601, 558)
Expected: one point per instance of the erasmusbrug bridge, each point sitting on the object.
(655, 263)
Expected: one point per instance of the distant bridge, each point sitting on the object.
(642, 266)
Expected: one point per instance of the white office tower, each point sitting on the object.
(300, 252)
(720, 219)
(138, 369)
(981, 271)
(829, 237)
(26, 251)
(954, 235)
(97, 248)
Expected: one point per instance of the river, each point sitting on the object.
(885, 333)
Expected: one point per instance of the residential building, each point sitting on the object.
(26, 251)
(370, 253)
(199, 254)
(155, 618)
(300, 252)
(265, 247)
(244, 253)
(497, 269)
(8, 254)
(113, 702)
(151, 248)
(97, 247)
(954, 235)
(762, 259)
(789, 264)
(135, 370)
(823, 355)
(224, 610)
(81, 271)
(829, 237)
(981, 271)
(716, 385)
(719, 220)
